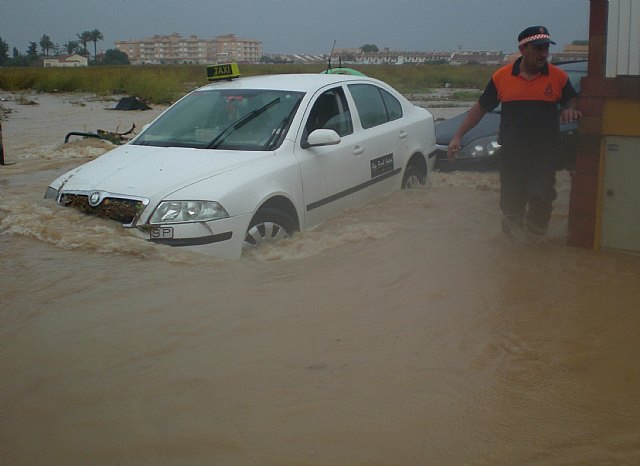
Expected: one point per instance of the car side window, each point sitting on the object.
(394, 108)
(375, 106)
(330, 111)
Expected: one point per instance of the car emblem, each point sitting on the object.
(95, 198)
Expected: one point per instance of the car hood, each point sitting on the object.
(144, 171)
(488, 126)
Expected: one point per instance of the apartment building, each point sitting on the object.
(230, 48)
(174, 49)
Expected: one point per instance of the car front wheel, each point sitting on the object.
(268, 225)
(413, 177)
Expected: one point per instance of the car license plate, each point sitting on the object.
(161, 233)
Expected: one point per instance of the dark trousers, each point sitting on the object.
(527, 186)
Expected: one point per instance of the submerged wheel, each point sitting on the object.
(413, 177)
(268, 225)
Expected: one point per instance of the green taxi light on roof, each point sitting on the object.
(223, 71)
(342, 70)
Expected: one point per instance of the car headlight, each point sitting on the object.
(187, 211)
(483, 147)
(51, 193)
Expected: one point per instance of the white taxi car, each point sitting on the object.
(242, 161)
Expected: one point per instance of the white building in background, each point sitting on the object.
(175, 50)
(67, 61)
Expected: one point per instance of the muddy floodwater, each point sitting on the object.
(405, 332)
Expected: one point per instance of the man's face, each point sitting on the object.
(535, 57)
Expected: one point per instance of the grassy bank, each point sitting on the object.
(165, 83)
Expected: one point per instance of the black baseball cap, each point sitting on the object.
(535, 35)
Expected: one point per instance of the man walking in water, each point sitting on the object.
(530, 90)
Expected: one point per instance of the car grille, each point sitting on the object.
(120, 209)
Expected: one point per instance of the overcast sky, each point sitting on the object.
(300, 26)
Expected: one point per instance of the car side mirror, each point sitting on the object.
(322, 137)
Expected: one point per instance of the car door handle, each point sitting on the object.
(403, 134)
(358, 150)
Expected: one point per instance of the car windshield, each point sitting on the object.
(231, 119)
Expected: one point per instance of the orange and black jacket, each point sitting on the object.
(530, 112)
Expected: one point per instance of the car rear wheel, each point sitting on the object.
(413, 177)
(266, 226)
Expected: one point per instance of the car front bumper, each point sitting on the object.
(484, 163)
(220, 238)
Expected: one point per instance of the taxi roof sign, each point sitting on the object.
(223, 71)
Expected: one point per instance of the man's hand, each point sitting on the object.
(454, 147)
(475, 114)
(570, 114)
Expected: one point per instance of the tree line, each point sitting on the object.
(45, 47)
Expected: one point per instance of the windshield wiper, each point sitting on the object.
(219, 139)
(278, 132)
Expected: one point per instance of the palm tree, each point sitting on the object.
(71, 46)
(84, 38)
(95, 36)
(46, 44)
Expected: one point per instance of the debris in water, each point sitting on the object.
(132, 103)
(111, 136)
